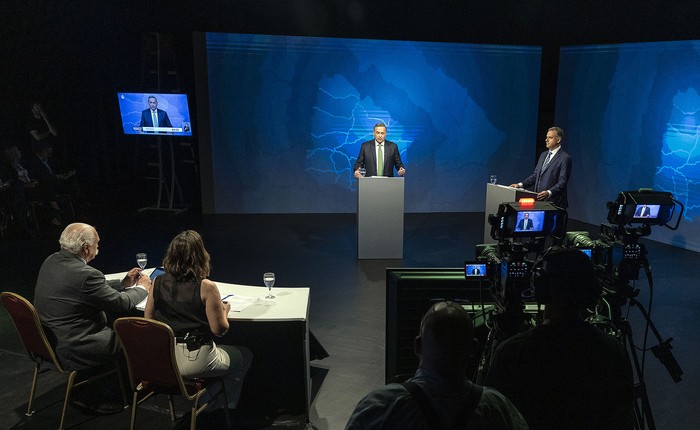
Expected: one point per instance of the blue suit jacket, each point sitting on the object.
(368, 159)
(147, 121)
(554, 178)
(522, 225)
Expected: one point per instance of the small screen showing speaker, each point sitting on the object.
(475, 270)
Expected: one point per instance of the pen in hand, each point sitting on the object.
(226, 297)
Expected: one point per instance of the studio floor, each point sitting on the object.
(347, 309)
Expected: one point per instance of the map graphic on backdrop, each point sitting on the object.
(352, 123)
(631, 114)
(288, 115)
(679, 171)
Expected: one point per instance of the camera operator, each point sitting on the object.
(566, 373)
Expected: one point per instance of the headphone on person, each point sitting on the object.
(565, 275)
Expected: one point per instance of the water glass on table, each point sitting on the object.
(269, 281)
(141, 260)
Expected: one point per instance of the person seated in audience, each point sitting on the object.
(14, 166)
(191, 305)
(52, 183)
(41, 129)
(440, 395)
(75, 302)
(566, 373)
(15, 181)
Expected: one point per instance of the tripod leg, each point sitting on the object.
(642, 413)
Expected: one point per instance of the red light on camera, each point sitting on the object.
(527, 202)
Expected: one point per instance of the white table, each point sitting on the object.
(277, 332)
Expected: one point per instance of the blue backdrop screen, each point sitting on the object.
(288, 115)
(631, 117)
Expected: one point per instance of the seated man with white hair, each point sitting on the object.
(73, 299)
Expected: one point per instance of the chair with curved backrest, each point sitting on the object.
(31, 333)
(149, 347)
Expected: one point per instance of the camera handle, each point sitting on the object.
(662, 351)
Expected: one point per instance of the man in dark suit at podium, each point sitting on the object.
(476, 271)
(525, 223)
(154, 117)
(379, 155)
(642, 212)
(552, 172)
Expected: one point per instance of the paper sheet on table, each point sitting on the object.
(142, 304)
(238, 303)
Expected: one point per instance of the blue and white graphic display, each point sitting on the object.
(155, 114)
(288, 116)
(631, 117)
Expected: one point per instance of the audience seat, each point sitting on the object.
(149, 347)
(33, 337)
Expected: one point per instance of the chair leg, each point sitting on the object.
(226, 411)
(122, 386)
(134, 406)
(69, 388)
(4, 222)
(33, 214)
(171, 407)
(193, 417)
(30, 412)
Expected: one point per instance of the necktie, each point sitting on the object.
(546, 160)
(380, 161)
(155, 118)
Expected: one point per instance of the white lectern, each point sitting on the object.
(497, 194)
(380, 218)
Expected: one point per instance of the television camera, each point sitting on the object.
(527, 229)
(618, 253)
(523, 230)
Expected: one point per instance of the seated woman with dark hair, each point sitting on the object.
(191, 305)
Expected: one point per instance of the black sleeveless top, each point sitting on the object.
(179, 304)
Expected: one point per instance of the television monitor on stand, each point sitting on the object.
(155, 114)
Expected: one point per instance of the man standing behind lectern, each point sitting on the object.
(154, 117)
(379, 155)
(551, 175)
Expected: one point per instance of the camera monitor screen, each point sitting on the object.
(474, 270)
(155, 114)
(532, 221)
(646, 211)
(540, 219)
(641, 207)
